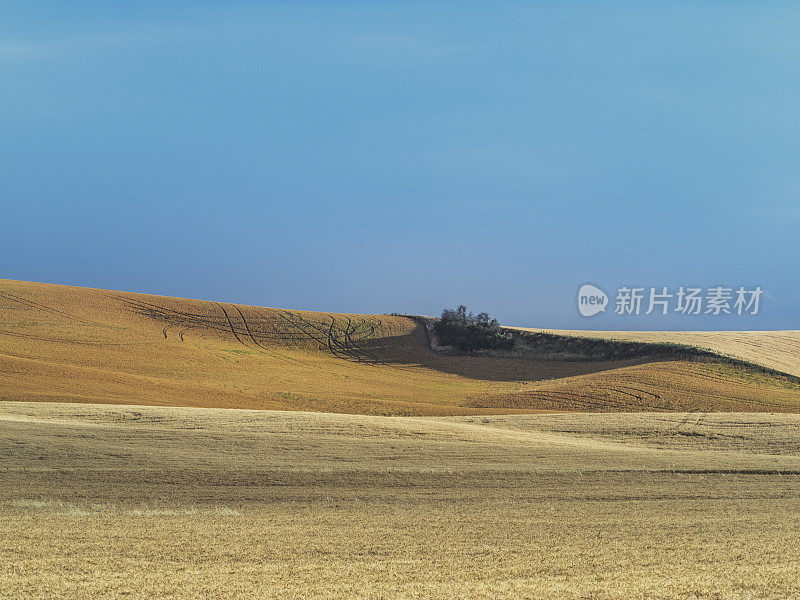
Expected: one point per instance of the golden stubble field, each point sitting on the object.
(129, 469)
(779, 350)
(141, 502)
(69, 344)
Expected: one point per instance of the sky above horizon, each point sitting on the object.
(382, 157)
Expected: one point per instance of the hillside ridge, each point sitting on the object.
(65, 343)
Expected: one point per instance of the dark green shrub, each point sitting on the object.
(469, 332)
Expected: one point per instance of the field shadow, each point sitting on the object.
(360, 339)
(415, 350)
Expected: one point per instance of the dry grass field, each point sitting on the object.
(779, 350)
(102, 501)
(132, 463)
(61, 343)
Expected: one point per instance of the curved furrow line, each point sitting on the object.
(163, 309)
(359, 351)
(247, 327)
(272, 351)
(364, 354)
(320, 338)
(641, 391)
(634, 393)
(333, 340)
(269, 351)
(330, 339)
(623, 392)
(233, 329)
(647, 400)
(174, 317)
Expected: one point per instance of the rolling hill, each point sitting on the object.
(70, 344)
(779, 350)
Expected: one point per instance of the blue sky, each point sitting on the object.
(379, 157)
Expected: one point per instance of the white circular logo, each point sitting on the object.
(591, 300)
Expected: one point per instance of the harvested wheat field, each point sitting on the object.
(779, 350)
(132, 463)
(153, 502)
(69, 344)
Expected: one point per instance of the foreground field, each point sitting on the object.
(134, 502)
(60, 343)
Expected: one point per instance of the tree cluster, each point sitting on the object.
(469, 332)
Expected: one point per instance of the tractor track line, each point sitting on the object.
(257, 343)
(332, 340)
(233, 329)
(354, 351)
(348, 339)
(288, 358)
(247, 327)
(327, 342)
(321, 342)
